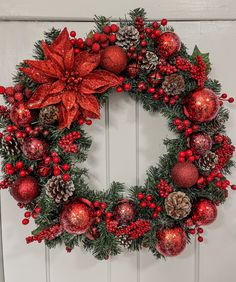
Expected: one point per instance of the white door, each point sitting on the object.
(126, 141)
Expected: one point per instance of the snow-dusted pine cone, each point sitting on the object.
(58, 189)
(124, 240)
(149, 62)
(10, 148)
(127, 37)
(207, 162)
(178, 205)
(48, 115)
(173, 84)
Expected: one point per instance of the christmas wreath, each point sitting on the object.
(43, 139)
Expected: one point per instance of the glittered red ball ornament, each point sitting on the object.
(200, 142)
(184, 175)
(171, 242)
(20, 115)
(113, 59)
(34, 148)
(154, 78)
(25, 189)
(202, 105)
(76, 218)
(124, 212)
(169, 44)
(204, 212)
(133, 70)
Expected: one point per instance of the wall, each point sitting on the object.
(127, 140)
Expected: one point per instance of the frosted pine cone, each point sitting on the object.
(178, 205)
(10, 148)
(127, 37)
(124, 240)
(173, 84)
(149, 62)
(48, 115)
(59, 190)
(207, 162)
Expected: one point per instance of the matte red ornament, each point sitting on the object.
(133, 70)
(184, 175)
(113, 59)
(25, 189)
(169, 44)
(154, 78)
(34, 148)
(124, 212)
(76, 218)
(202, 105)
(205, 212)
(171, 242)
(20, 114)
(200, 142)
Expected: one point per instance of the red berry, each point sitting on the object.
(140, 196)
(89, 42)
(186, 123)
(152, 206)
(80, 121)
(191, 159)
(73, 33)
(65, 167)
(189, 153)
(25, 221)
(96, 47)
(56, 160)
(8, 138)
(27, 214)
(56, 171)
(96, 204)
(103, 37)
(119, 89)
(106, 29)
(148, 197)
(108, 215)
(103, 206)
(18, 96)
(10, 91)
(200, 239)
(37, 209)
(143, 204)
(19, 165)
(192, 231)
(114, 28)
(8, 166)
(231, 100)
(182, 154)
(96, 36)
(200, 230)
(2, 90)
(155, 24)
(157, 32)
(155, 215)
(112, 38)
(23, 173)
(177, 121)
(224, 96)
(66, 177)
(233, 187)
(148, 30)
(127, 86)
(164, 22)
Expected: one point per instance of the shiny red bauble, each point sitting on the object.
(200, 142)
(76, 218)
(154, 78)
(171, 241)
(113, 59)
(202, 105)
(20, 114)
(205, 212)
(34, 149)
(25, 189)
(124, 212)
(169, 44)
(184, 175)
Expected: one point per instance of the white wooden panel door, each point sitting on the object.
(126, 141)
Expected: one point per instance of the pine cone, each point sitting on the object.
(48, 115)
(10, 148)
(58, 189)
(127, 36)
(177, 205)
(173, 84)
(150, 61)
(124, 240)
(207, 162)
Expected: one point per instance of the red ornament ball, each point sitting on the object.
(154, 78)
(25, 189)
(124, 212)
(133, 70)
(201, 143)
(33, 148)
(20, 114)
(205, 212)
(113, 59)
(184, 175)
(76, 218)
(169, 44)
(171, 242)
(202, 105)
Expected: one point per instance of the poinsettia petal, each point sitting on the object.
(86, 63)
(45, 66)
(49, 54)
(90, 104)
(57, 87)
(66, 117)
(69, 57)
(52, 100)
(69, 99)
(36, 75)
(98, 82)
(39, 96)
(62, 43)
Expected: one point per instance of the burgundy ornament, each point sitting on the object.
(171, 241)
(154, 78)
(34, 148)
(25, 189)
(124, 212)
(200, 142)
(205, 212)
(76, 217)
(133, 70)
(169, 44)
(202, 105)
(184, 175)
(20, 114)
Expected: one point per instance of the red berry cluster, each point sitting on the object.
(99, 210)
(185, 125)
(16, 93)
(66, 143)
(187, 156)
(197, 72)
(4, 111)
(225, 152)
(5, 183)
(166, 68)
(46, 234)
(199, 231)
(126, 86)
(224, 97)
(13, 130)
(134, 230)
(164, 189)
(19, 168)
(29, 214)
(147, 202)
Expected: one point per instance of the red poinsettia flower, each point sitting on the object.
(68, 80)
